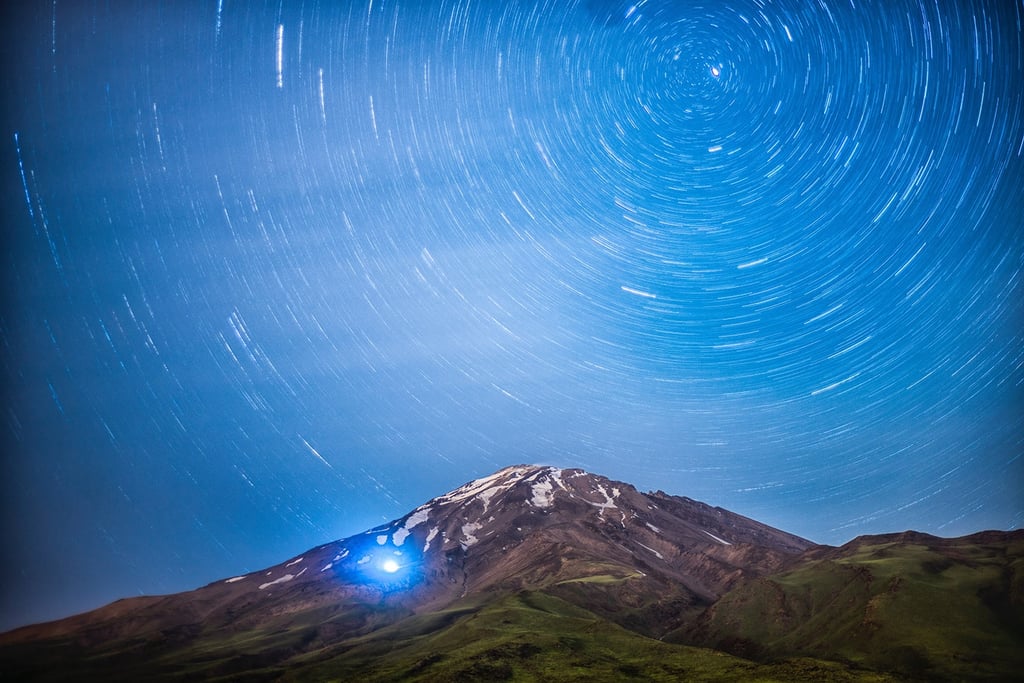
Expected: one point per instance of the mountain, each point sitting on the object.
(539, 573)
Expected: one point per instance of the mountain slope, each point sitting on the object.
(650, 562)
(522, 527)
(538, 573)
(910, 603)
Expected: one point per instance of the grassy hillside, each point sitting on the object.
(533, 636)
(528, 636)
(923, 607)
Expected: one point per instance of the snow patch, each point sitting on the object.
(234, 578)
(364, 559)
(487, 487)
(415, 519)
(653, 528)
(543, 496)
(283, 579)
(609, 500)
(717, 538)
(340, 556)
(660, 556)
(381, 540)
(478, 486)
(544, 488)
(467, 531)
(486, 496)
(327, 566)
(430, 537)
(293, 562)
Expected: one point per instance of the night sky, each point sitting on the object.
(274, 273)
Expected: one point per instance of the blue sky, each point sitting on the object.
(278, 272)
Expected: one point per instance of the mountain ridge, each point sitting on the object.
(654, 565)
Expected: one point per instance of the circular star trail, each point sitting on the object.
(276, 272)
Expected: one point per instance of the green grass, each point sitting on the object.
(536, 637)
(943, 612)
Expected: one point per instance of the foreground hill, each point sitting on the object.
(925, 606)
(536, 573)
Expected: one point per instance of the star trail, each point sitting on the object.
(277, 272)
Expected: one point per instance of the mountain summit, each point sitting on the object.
(530, 527)
(517, 557)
